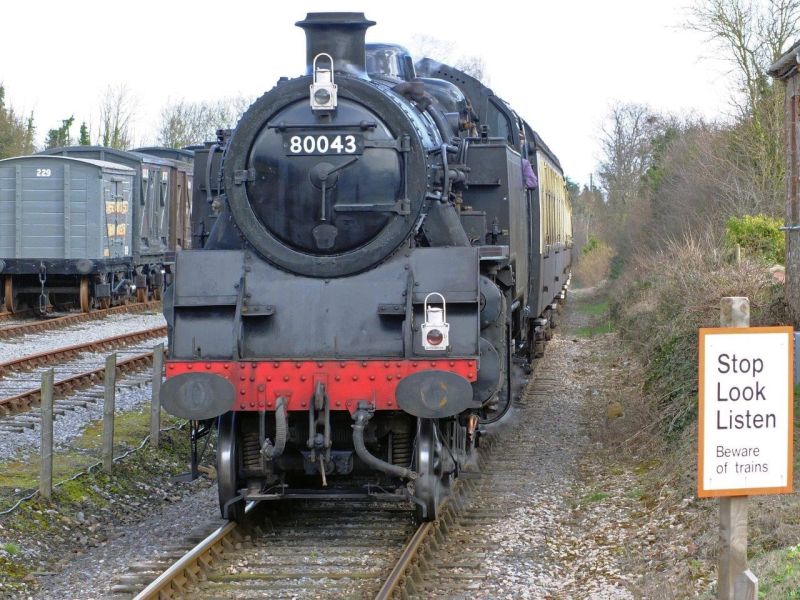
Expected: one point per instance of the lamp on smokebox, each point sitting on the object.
(323, 89)
(435, 330)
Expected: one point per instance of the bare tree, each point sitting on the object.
(426, 46)
(184, 123)
(117, 116)
(627, 151)
(778, 27)
(473, 65)
(752, 36)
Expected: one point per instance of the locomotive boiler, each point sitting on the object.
(375, 270)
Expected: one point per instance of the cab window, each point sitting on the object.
(498, 123)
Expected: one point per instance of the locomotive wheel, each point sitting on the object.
(228, 483)
(432, 483)
(86, 305)
(8, 294)
(141, 295)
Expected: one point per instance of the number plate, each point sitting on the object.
(323, 145)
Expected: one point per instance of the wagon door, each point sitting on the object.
(146, 209)
(180, 217)
(116, 199)
(162, 219)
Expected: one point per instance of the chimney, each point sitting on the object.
(340, 34)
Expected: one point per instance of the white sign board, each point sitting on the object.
(745, 411)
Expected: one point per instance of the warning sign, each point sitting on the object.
(745, 413)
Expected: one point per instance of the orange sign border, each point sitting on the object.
(701, 491)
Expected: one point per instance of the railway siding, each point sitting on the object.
(50, 357)
(37, 325)
(79, 373)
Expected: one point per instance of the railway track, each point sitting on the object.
(16, 329)
(288, 550)
(349, 550)
(78, 377)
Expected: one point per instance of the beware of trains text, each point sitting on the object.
(745, 411)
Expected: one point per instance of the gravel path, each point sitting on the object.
(542, 548)
(579, 541)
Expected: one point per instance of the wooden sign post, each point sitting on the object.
(744, 425)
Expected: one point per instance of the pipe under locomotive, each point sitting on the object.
(344, 324)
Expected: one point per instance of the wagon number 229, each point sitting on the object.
(324, 144)
(43, 172)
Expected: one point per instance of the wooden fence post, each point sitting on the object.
(46, 408)
(108, 412)
(746, 587)
(155, 401)
(734, 312)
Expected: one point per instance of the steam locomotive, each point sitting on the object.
(373, 274)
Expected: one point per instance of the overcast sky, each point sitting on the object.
(560, 64)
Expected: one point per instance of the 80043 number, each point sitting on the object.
(305, 145)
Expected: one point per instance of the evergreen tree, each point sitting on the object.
(16, 133)
(60, 136)
(84, 140)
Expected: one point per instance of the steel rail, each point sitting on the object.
(47, 324)
(190, 566)
(26, 400)
(60, 354)
(404, 563)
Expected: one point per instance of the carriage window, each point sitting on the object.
(164, 185)
(144, 188)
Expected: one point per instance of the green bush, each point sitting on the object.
(759, 236)
(591, 244)
(661, 301)
(617, 266)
